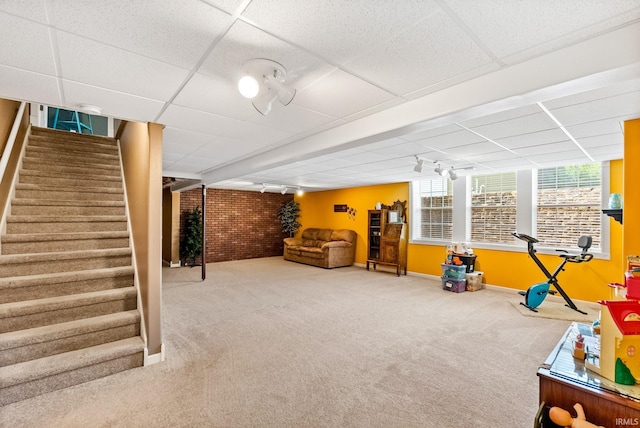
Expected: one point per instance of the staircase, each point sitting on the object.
(68, 306)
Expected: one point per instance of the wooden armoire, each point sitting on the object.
(387, 237)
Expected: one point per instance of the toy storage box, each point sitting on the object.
(455, 285)
(474, 281)
(453, 271)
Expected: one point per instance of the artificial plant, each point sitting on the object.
(288, 216)
(192, 244)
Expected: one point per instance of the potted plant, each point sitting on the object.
(288, 216)
(192, 244)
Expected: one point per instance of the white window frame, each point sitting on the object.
(526, 207)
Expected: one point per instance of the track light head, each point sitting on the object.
(283, 189)
(300, 192)
(440, 171)
(452, 175)
(264, 187)
(418, 168)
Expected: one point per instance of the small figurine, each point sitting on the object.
(563, 418)
(578, 348)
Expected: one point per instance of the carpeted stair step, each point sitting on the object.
(42, 263)
(32, 164)
(52, 310)
(70, 241)
(30, 287)
(87, 145)
(38, 342)
(36, 377)
(55, 207)
(51, 154)
(68, 137)
(69, 180)
(40, 191)
(43, 224)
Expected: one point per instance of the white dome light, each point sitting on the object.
(248, 87)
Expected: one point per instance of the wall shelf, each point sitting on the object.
(616, 214)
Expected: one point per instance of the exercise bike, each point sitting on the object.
(536, 294)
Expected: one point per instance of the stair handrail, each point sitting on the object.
(6, 155)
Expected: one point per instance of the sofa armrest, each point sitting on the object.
(336, 244)
(293, 242)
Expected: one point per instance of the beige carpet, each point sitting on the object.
(269, 343)
(555, 308)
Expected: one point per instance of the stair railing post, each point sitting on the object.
(203, 250)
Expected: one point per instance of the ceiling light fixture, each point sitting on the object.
(300, 192)
(264, 187)
(283, 189)
(264, 83)
(418, 168)
(452, 175)
(440, 171)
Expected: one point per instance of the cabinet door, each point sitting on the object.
(390, 251)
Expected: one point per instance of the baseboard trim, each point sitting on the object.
(155, 358)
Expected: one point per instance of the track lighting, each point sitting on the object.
(440, 171)
(452, 175)
(264, 83)
(299, 192)
(264, 187)
(283, 189)
(418, 168)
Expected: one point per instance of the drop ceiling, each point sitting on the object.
(497, 85)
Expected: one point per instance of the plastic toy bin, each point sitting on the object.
(455, 285)
(454, 271)
(467, 260)
(474, 281)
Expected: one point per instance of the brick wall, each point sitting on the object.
(239, 224)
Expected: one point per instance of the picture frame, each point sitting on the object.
(393, 216)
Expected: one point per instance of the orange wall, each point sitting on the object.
(586, 281)
(317, 209)
(631, 193)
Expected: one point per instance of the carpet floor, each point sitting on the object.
(270, 343)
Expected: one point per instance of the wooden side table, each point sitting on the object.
(564, 381)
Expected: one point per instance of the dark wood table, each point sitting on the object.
(565, 381)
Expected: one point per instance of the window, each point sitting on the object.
(493, 208)
(556, 205)
(434, 220)
(568, 206)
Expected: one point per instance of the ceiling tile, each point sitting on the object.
(113, 103)
(532, 139)
(410, 57)
(518, 126)
(620, 105)
(245, 42)
(96, 64)
(214, 95)
(25, 85)
(34, 10)
(350, 23)
(340, 94)
(177, 32)
(509, 27)
(451, 140)
(37, 43)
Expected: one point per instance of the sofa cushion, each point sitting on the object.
(343, 235)
(310, 234)
(324, 235)
(336, 244)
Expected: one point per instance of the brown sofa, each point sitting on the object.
(325, 248)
